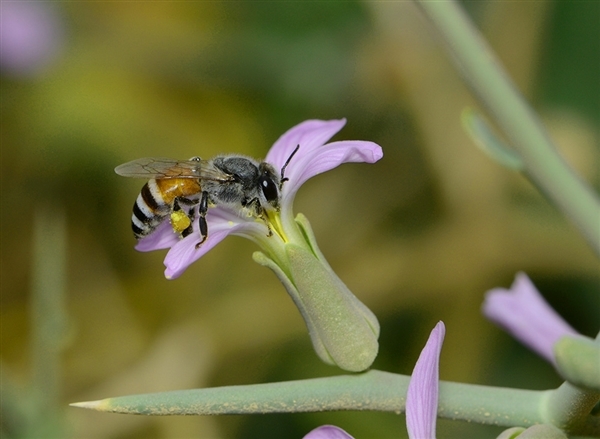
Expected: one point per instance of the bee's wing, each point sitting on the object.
(158, 167)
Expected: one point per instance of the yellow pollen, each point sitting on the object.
(179, 221)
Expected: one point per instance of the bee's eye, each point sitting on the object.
(269, 188)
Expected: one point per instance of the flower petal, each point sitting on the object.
(309, 134)
(523, 312)
(221, 223)
(422, 395)
(184, 253)
(328, 432)
(317, 161)
(162, 237)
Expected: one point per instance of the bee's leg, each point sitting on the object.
(183, 201)
(187, 232)
(203, 226)
(191, 216)
(254, 203)
(259, 212)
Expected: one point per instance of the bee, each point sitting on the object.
(176, 189)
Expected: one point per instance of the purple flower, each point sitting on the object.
(30, 37)
(343, 330)
(422, 395)
(523, 312)
(314, 157)
(328, 432)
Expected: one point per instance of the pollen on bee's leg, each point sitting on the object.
(180, 221)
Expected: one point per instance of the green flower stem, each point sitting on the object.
(47, 308)
(568, 407)
(369, 391)
(499, 96)
(48, 317)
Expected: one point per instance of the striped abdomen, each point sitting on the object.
(155, 202)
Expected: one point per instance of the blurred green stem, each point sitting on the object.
(48, 316)
(497, 93)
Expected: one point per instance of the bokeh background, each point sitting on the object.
(418, 237)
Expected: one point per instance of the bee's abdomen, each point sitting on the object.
(148, 211)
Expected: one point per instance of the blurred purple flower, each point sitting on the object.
(328, 432)
(314, 157)
(30, 37)
(422, 395)
(523, 312)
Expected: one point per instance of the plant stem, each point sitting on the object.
(568, 408)
(373, 391)
(48, 319)
(497, 93)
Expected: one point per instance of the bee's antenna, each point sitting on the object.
(287, 162)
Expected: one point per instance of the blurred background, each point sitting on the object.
(418, 237)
